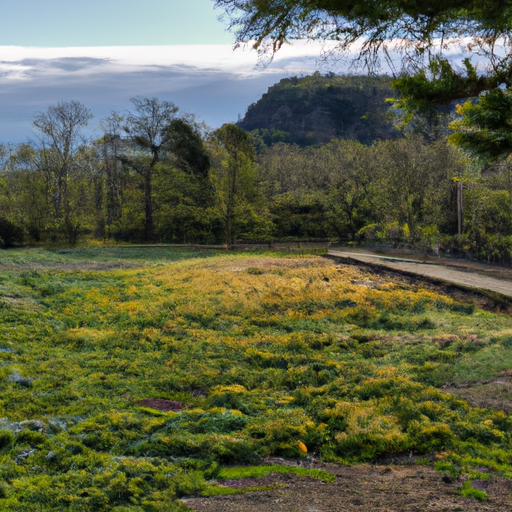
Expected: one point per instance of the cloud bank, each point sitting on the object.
(213, 82)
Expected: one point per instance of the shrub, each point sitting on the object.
(30, 437)
(471, 492)
(6, 439)
(10, 233)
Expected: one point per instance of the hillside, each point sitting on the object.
(317, 108)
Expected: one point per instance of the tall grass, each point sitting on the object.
(270, 355)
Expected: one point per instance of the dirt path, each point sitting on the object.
(362, 488)
(467, 275)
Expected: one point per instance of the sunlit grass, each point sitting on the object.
(268, 352)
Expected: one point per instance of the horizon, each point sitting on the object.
(213, 82)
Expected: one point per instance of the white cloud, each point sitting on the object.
(24, 63)
(214, 82)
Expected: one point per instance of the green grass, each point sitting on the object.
(268, 351)
(470, 492)
(261, 471)
(240, 472)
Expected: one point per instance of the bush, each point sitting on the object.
(6, 439)
(10, 233)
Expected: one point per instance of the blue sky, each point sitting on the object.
(103, 52)
(64, 23)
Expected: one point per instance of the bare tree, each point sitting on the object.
(111, 147)
(61, 128)
(148, 128)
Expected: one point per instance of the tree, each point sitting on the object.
(233, 163)
(420, 32)
(61, 128)
(351, 174)
(416, 180)
(110, 148)
(404, 25)
(318, 108)
(148, 127)
(484, 128)
(187, 146)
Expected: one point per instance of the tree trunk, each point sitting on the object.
(148, 228)
(230, 208)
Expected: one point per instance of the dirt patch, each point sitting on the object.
(74, 266)
(270, 480)
(161, 404)
(495, 394)
(360, 488)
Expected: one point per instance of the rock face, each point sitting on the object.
(316, 109)
(16, 378)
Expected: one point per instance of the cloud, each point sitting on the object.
(71, 64)
(212, 81)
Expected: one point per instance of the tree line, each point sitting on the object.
(158, 175)
(153, 175)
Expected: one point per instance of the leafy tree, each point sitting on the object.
(185, 208)
(110, 145)
(27, 194)
(233, 159)
(148, 127)
(187, 147)
(352, 185)
(184, 195)
(416, 180)
(484, 127)
(10, 233)
(318, 108)
(409, 26)
(323, 192)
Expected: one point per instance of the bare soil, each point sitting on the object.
(492, 394)
(71, 266)
(369, 488)
(161, 404)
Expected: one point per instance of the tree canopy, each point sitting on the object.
(419, 32)
(484, 128)
(318, 108)
(411, 24)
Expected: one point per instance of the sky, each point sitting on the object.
(104, 52)
(63, 23)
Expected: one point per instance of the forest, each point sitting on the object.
(149, 364)
(157, 175)
(147, 378)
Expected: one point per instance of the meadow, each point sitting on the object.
(255, 354)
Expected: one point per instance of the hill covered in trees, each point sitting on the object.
(158, 176)
(318, 108)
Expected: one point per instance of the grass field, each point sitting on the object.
(268, 354)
